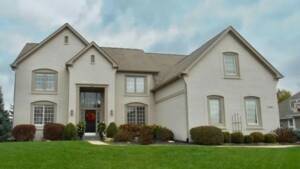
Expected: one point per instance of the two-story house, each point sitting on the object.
(226, 83)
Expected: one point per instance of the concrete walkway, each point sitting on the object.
(97, 142)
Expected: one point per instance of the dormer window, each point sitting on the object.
(295, 105)
(92, 59)
(66, 40)
(231, 67)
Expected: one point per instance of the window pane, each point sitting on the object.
(38, 114)
(50, 82)
(230, 64)
(45, 81)
(215, 112)
(130, 87)
(251, 110)
(140, 86)
(39, 81)
(131, 114)
(141, 115)
(48, 114)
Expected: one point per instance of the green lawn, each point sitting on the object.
(75, 155)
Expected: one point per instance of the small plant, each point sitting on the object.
(101, 129)
(111, 130)
(258, 137)
(248, 139)
(227, 138)
(70, 132)
(237, 137)
(207, 135)
(123, 136)
(80, 129)
(24, 132)
(270, 138)
(285, 135)
(53, 131)
(146, 135)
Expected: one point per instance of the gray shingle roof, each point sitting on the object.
(285, 110)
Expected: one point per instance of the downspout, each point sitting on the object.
(187, 111)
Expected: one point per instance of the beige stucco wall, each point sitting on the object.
(207, 78)
(52, 55)
(101, 73)
(171, 109)
(122, 99)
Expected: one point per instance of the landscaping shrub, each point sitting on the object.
(123, 136)
(70, 132)
(227, 138)
(285, 135)
(258, 137)
(270, 138)
(111, 130)
(80, 129)
(53, 131)
(248, 139)
(297, 133)
(133, 129)
(164, 134)
(24, 132)
(101, 129)
(237, 137)
(207, 135)
(146, 135)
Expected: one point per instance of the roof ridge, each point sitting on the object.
(122, 48)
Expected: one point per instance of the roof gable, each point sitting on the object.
(30, 48)
(71, 62)
(187, 63)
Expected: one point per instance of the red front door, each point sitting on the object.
(90, 120)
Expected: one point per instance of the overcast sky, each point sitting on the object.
(176, 26)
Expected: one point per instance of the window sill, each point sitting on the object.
(136, 95)
(232, 77)
(43, 93)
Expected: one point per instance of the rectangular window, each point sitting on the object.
(135, 84)
(231, 64)
(136, 115)
(66, 40)
(291, 123)
(45, 81)
(252, 107)
(216, 109)
(43, 113)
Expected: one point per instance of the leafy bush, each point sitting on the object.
(123, 136)
(80, 129)
(146, 135)
(297, 133)
(164, 134)
(258, 137)
(53, 131)
(133, 129)
(270, 138)
(248, 139)
(24, 132)
(101, 129)
(111, 130)
(237, 137)
(5, 125)
(285, 135)
(227, 138)
(207, 135)
(70, 132)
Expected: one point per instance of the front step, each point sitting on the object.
(90, 137)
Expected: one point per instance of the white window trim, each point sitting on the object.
(43, 104)
(44, 91)
(222, 109)
(135, 93)
(292, 126)
(237, 67)
(137, 105)
(258, 112)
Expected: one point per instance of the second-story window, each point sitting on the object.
(66, 40)
(231, 67)
(135, 84)
(92, 59)
(44, 80)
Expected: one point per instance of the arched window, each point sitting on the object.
(216, 110)
(231, 64)
(66, 40)
(43, 112)
(136, 113)
(44, 80)
(253, 110)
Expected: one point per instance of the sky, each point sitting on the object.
(167, 26)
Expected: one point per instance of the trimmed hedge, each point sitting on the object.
(285, 135)
(111, 130)
(53, 131)
(123, 136)
(133, 129)
(237, 137)
(207, 135)
(248, 139)
(258, 137)
(24, 132)
(146, 135)
(227, 138)
(70, 132)
(270, 138)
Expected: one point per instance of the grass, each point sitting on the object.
(79, 155)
